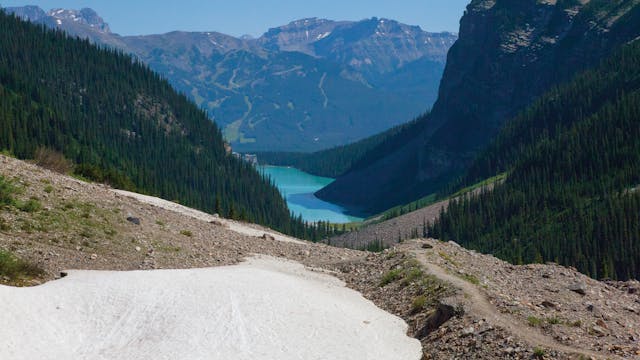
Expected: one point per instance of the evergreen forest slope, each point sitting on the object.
(573, 165)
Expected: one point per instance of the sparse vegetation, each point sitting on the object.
(538, 353)
(168, 248)
(413, 273)
(4, 226)
(409, 274)
(32, 205)
(48, 189)
(7, 191)
(186, 233)
(418, 304)
(448, 258)
(554, 320)
(470, 278)
(390, 276)
(14, 268)
(534, 321)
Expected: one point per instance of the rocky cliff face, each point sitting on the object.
(299, 35)
(304, 86)
(62, 18)
(508, 53)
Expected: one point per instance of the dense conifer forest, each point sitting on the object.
(121, 123)
(573, 169)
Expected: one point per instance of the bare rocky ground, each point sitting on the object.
(460, 304)
(390, 232)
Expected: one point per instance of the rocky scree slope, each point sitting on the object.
(508, 53)
(305, 86)
(90, 226)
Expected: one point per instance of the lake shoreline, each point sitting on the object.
(299, 188)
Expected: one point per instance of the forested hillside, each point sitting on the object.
(121, 123)
(573, 164)
(336, 161)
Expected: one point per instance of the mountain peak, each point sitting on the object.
(307, 22)
(298, 35)
(86, 16)
(29, 12)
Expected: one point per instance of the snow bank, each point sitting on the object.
(262, 309)
(235, 226)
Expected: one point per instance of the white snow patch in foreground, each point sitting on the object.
(235, 226)
(261, 309)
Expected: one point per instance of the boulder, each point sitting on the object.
(133, 220)
(578, 287)
(548, 304)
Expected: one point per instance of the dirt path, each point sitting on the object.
(480, 306)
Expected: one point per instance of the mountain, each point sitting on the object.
(120, 123)
(573, 165)
(305, 86)
(374, 46)
(507, 55)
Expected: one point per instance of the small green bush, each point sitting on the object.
(186, 233)
(418, 304)
(538, 353)
(48, 189)
(7, 190)
(534, 321)
(553, 320)
(390, 277)
(30, 206)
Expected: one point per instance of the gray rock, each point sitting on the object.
(268, 237)
(216, 222)
(468, 331)
(578, 287)
(599, 331)
(549, 304)
(133, 220)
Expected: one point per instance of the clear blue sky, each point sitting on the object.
(254, 17)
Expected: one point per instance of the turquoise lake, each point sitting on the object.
(298, 188)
